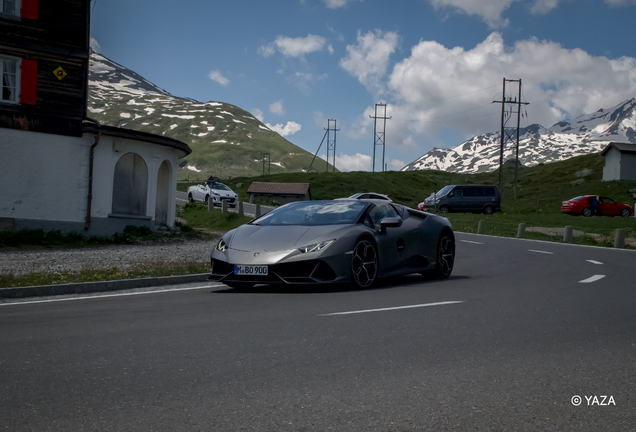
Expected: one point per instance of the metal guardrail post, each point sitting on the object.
(210, 204)
(481, 227)
(568, 234)
(521, 231)
(241, 212)
(224, 206)
(619, 238)
(257, 211)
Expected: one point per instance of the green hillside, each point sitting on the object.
(226, 141)
(542, 188)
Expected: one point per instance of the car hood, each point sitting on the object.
(278, 238)
(222, 192)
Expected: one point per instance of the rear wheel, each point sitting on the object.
(489, 210)
(445, 256)
(444, 209)
(587, 212)
(364, 264)
(625, 212)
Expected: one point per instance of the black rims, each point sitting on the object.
(364, 264)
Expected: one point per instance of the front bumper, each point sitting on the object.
(298, 272)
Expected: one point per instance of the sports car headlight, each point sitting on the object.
(221, 246)
(315, 247)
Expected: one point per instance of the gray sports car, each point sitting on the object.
(338, 241)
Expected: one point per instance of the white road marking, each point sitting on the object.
(472, 242)
(184, 200)
(109, 295)
(594, 262)
(392, 308)
(540, 251)
(592, 279)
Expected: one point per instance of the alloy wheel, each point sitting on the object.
(364, 264)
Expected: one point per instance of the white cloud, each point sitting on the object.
(289, 129)
(357, 162)
(438, 88)
(335, 4)
(95, 46)
(369, 59)
(293, 47)
(303, 81)
(489, 10)
(277, 108)
(217, 76)
(544, 6)
(396, 164)
(258, 114)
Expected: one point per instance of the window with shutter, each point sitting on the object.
(10, 77)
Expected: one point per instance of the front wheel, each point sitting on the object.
(207, 198)
(489, 210)
(587, 212)
(625, 212)
(445, 256)
(444, 209)
(190, 199)
(364, 264)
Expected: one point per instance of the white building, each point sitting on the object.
(620, 161)
(59, 169)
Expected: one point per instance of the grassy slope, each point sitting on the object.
(241, 155)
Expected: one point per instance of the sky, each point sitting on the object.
(437, 65)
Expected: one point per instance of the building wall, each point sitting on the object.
(45, 181)
(612, 169)
(628, 166)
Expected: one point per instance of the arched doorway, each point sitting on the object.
(130, 185)
(163, 194)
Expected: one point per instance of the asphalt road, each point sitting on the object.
(506, 343)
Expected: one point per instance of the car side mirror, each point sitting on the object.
(390, 222)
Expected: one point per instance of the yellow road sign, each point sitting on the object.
(60, 73)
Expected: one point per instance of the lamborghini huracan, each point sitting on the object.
(339, 241)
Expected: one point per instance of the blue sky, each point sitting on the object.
(437, 64)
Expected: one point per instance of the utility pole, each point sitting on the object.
(268, 157)
(331, 144)
(509, 106)
(378, 137)
(316, 154)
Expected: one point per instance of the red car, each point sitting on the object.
(588, 205)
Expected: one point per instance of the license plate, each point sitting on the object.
(250, 270)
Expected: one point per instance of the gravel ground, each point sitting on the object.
(20, 262)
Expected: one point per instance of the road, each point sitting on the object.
(506, 343)
(248, 209)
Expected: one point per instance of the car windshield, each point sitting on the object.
(218, 186)
(579, 198)
(311, 213)
(443, 191)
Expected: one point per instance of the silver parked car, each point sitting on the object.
(212, 190)
(337, 241)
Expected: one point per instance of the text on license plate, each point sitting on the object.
(250, 270)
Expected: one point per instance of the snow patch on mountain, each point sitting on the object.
(583, 135)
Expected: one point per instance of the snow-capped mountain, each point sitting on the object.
(583, 135)
(225, 139)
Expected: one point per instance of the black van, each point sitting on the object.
(465, 198)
